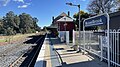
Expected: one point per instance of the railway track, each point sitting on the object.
(18, 61)
(28, 59)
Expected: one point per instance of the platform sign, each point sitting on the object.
(96, 20)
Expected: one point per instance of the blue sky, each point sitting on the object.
(42, 9)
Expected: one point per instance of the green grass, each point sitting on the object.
(2, 40)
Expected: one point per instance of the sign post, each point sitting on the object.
(102, 19)
(108, 39)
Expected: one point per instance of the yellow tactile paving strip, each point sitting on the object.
(47, 56)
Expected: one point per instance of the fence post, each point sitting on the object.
(108, 37)
(101, 48)
(59, 34)
(67, 37)
(73, 37)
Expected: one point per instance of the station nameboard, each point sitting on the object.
(96, 20)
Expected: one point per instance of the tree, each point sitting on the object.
(9, 24)
(118, 5)
(35, 20)
(101, 6)
(12, 24)
(25, 23)
(28, 24)
(83, 15)
(1, 27)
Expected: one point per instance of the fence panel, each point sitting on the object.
(91, 41)
(97, 44)
(115, 47)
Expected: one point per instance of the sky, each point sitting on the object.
(44, 10)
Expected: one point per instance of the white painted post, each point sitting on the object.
(118, 44)
(59, 34)
(111, 46)
(90, 42)
(115, 48)
(67, 37)
(62, 36)
(84, 37)
(101, 49)
(73, 37)
(108, 31)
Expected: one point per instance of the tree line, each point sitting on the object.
(11, 24)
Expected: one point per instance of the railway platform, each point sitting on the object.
(56, 54)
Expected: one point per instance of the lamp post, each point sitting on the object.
(79, 16)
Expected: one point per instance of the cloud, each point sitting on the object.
(83, 0)
(23, 6)
(4, 2)
(76, 1)
(19, 1)
(28, 3)
(22, 2)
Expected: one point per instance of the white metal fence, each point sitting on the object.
(91, 41)
(115, 47)
(97, 44)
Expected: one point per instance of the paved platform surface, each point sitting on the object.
(69, 57)
(73, 59)
(50, 57)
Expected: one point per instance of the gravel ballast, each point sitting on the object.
(9, 53)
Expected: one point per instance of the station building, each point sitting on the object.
(62, 23)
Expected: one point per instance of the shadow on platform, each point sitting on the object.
(79, 64)
(41, 63)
